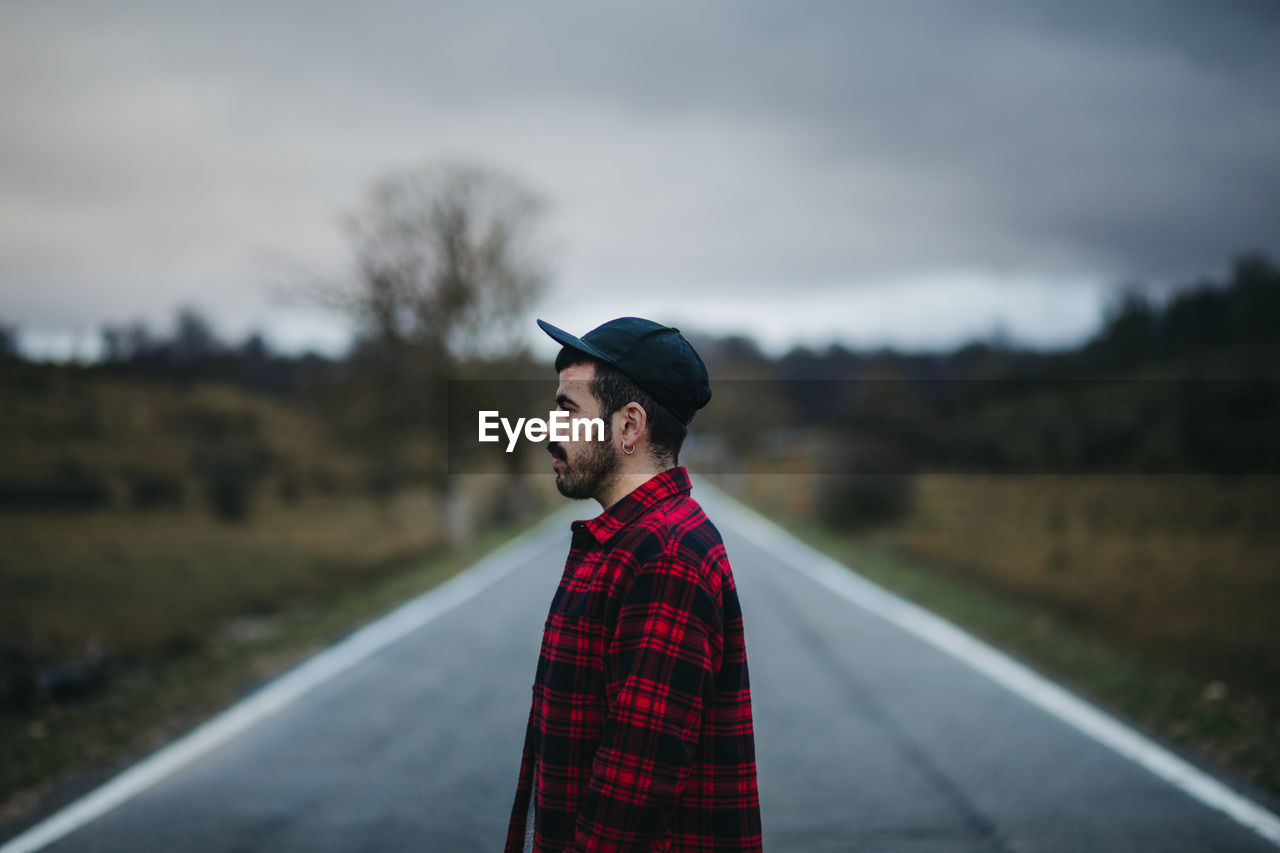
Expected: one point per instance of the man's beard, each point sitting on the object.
(583, 477)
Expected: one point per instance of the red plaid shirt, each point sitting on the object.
(640, 734)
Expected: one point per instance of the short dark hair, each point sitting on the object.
(614, 389)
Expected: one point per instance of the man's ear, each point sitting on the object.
(635, 422)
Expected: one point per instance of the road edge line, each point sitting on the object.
(999, 667)
(282, 692)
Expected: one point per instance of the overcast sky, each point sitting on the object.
(914, 172)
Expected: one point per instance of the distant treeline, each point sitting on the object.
(1184, 383)
(1191, 383)
(193, 351)
(1214, 329)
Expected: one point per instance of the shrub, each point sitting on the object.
(230, 479)
(150, 489)
(856, 501)
(71, 485)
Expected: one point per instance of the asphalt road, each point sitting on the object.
(868, 739)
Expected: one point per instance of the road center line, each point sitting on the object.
(996, 665)
(293, 685)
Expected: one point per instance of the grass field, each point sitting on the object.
(190, 613)
(108, 425)
(167, 545)
(1159, 597)
(1182, 569)
(138, 584)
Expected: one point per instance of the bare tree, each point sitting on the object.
(447, 261)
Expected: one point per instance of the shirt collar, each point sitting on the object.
(673, 481)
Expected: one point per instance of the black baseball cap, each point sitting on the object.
(655, 357)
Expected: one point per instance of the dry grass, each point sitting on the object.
(1158, 597)
(140, 584)
(110, 423)
(1183, 569)
(191, 612)
(181, 609)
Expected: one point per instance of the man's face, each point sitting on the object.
(582, 467)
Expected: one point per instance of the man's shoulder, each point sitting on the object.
(677, 528)
(675, 516)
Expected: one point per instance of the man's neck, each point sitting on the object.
(625, 483)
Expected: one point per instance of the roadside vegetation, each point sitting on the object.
(142, 587)
(1104, 511)
(95, 722)
(1154, 597)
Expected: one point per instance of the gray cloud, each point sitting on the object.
(151, 150)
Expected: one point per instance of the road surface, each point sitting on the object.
(868, 737)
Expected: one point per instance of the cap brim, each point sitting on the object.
(562, 337)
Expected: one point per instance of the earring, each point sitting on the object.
(628, 452)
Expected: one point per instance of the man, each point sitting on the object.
(640, 734)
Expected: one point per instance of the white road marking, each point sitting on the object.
(290, 687)
(996, 665)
